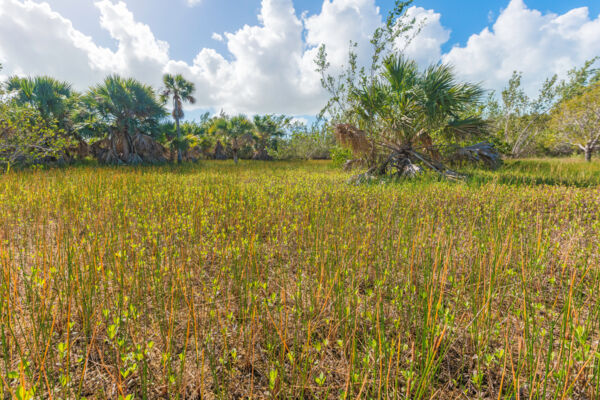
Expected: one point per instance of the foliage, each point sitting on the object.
(407, 103)
(27, 137)
(46, 94)
(577, 121)
(340, 155)
(394, 113)
(520, 124)
(398, 29)
(268, 129)
(132, 114)
(519, 121)
(578, 79)
(236, 131)
(125, 105)
(304, 142)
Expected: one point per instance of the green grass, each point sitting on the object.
(279, 280)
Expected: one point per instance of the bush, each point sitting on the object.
(340, 155)
(306, 144)
(26, 138)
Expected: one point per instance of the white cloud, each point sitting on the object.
(217, 36)
(426, 47)
(339, 22)
(38, 41)
(526, 40)
(34, 40)
(143, 55)
(270, 66)
(300, 120)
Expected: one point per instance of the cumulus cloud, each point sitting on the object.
(264, 72)
(431, 35)
(527, 40)
(38, 41)
(139, 51)
(269, 67)
(35, 40)
(339, 22)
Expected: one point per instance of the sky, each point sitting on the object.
(256, 56)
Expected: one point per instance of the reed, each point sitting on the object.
(280, 280)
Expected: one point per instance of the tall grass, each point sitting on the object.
(281, 281)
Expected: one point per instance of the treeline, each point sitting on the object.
(562, 119)
(123, 121)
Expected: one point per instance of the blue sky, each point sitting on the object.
(265, 63)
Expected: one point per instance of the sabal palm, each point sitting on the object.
(180, 90)
(125, 103)
(128, 107)
(266, 129)
(48, 95)
(408, 103)
(236, 130)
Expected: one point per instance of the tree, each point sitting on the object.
(520, 119)
(267, 129)
(520, 123)
(392, 113)
(56, 103)
(236, 131)
(579, 79)
(405, 110)
(180, 90)
(132, 113)
(48, 95)
(27, 138)
(577, 121)
(306, 142)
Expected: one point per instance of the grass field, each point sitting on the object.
(279, 280)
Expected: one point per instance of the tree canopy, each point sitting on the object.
(129, 109)
(48, 95)
(577, 121)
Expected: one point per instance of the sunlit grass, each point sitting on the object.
(279, 280)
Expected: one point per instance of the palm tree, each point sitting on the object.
(267, 129)
(405, 109)
(56, 102)
(130, 109)
(180, 90)
(48, 95)
(237, 131)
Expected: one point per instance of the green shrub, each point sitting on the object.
(26, 138)
(340, 155)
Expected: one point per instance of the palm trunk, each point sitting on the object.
(179, 158)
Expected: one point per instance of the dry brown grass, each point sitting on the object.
(281, 281)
